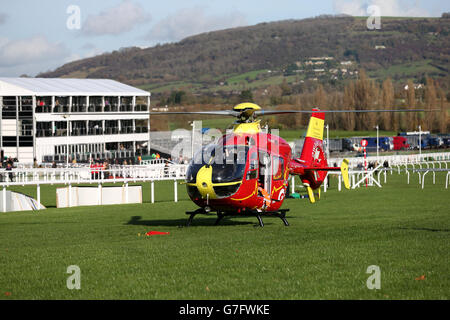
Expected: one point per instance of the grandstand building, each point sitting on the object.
(65, 119)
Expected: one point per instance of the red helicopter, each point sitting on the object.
(246, 172)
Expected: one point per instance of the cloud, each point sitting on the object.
(77, 56)
(115, 20)
(31, 50)
(88, 46)
(3, 18)
(397, 8)
(190, 21)
(352, 7)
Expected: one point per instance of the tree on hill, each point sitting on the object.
(443, 118)
(365, 98)
(387, 102)
(431, 123)
(320, 98)
(410, 99)
(246, 96)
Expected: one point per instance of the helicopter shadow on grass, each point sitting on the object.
(199, 221)
(424, 229)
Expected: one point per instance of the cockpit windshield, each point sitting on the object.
(228, 163)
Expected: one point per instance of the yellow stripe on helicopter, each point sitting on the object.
(315, 128)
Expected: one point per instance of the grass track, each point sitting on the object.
(324, 254)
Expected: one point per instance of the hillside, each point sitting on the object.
(404, 48)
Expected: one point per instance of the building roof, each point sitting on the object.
(67, 87)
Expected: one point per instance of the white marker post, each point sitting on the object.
(364, 145)
(175, 190)
(152, 191)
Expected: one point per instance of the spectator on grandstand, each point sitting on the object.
(166, 169)
(105, 170)
(9, 168)
(92, 166)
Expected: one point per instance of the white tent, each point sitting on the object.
(28, 132)
(66, 87)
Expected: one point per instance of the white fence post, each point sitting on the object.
(152, 187)
(99, 193)
(4, 199)
(293, 184)
(175, 190)
(38, 196)
(70, 195)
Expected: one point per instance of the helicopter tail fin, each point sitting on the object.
(312, 154)
(312, 166)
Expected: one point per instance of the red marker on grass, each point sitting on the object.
(154, 233)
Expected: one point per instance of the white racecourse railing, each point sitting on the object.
(421, 164)
(34, 176)
(397, 160)
(87, 175)
(168, 171)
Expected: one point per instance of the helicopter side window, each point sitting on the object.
(253, 166)
(277, 168)
(265, 170)
(253, 161)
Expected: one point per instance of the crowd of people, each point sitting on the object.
(99, 169)
(8, 164)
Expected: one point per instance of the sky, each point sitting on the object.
(38, 36)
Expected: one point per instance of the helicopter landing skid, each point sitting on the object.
(220, 215)
(279, 213)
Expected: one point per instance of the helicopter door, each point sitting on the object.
(265, 170)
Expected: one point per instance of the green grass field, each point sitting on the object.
(323, 254)
(407, 70)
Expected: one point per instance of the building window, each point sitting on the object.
(43, 104)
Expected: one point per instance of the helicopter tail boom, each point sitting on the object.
(312, 166)
(312, 160)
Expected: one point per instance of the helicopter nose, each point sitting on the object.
(204, 182)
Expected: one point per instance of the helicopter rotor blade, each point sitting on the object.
(218, 113)
(248, 113)
(271, 112)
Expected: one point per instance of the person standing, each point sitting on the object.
(10, 174)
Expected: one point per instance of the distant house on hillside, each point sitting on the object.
(322, 58)
(416, 86)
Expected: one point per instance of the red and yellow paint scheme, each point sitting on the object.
(247, 171)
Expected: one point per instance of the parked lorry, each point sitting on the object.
(401, 143)
(384, 144)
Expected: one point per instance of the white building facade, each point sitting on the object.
(65, 119)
